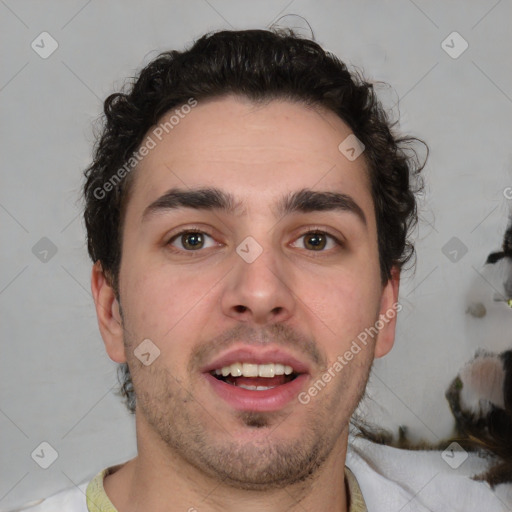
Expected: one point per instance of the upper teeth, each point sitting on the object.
(254, 370)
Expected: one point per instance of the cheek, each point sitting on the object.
(163, 303)
(345, 303)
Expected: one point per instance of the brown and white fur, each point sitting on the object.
(480, 398)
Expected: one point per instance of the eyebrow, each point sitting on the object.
(214, 199)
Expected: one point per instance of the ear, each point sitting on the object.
(389, 309)
(107, 312)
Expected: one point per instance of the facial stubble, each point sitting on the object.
(195, 435)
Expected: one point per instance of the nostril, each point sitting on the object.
(240, 309)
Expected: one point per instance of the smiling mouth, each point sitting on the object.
(266, 387)
(255, 377)
(257, 383)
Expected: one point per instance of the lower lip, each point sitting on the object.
(251, 400)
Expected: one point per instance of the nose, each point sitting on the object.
(259, 292)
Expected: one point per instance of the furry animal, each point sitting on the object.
(480, 398)
(506, 255)
(506, 251)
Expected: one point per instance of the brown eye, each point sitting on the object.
(315, 241)
(190, 240)
(318, 241)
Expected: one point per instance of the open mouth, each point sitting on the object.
(257, 383)
(258, 387)
(255, 377)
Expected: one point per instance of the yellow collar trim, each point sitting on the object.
(356, 500)
(98, 501)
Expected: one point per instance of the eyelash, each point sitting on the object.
(313, 231)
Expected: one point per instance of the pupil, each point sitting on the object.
(192, 240)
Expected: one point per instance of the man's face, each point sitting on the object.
(201, 296)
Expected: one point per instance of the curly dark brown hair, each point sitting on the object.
(262, 66)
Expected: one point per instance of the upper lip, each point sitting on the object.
(257, 356)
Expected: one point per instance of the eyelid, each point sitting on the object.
(169, 239)
(188, 229)
(338, 239)
(322, 229)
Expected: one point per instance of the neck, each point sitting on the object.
(159, 480)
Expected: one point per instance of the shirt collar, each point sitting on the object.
(98, 501)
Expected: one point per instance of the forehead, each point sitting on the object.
(255, 152)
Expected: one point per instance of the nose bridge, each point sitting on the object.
(258, 288)
(259, 269)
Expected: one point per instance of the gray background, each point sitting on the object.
(57, 384)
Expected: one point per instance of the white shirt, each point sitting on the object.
(390, 479)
